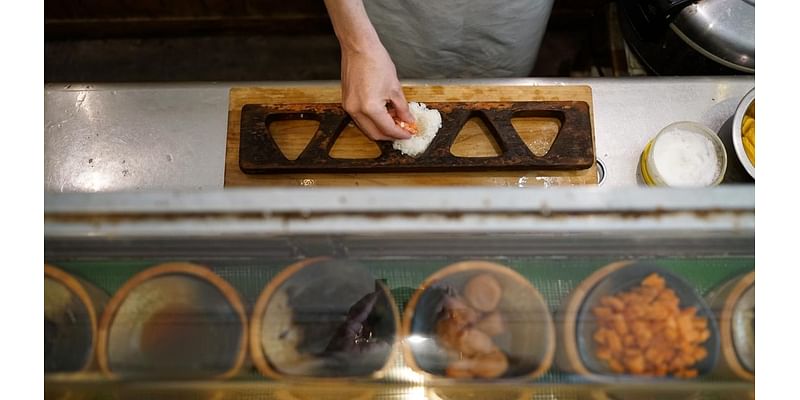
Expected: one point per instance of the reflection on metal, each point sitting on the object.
(416, 339)
(94, 181)
(722, 30)
(402, 373)
(126, 137)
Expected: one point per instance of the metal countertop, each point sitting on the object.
(137, 137)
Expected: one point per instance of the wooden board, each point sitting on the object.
(473, 140)
(572, 149)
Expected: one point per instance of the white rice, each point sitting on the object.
(428, 123)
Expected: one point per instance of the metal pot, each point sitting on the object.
(705, 37)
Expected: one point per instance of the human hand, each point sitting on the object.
(372, 95)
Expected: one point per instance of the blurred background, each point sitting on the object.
(252, 40)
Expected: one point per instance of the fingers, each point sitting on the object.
(379, 125)
(385, 123)
(375, 120)
(400, 107)
(369, 128)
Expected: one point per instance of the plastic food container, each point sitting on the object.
(748, 101)
(684, 154)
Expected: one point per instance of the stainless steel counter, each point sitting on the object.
(160, 139)
(121, 137)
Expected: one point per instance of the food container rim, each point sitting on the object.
(736, 132)
(697, 127)
(703, 309)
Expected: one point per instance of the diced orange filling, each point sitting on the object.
(645, 332)
(410, 127)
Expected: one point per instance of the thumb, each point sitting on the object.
(401, 109)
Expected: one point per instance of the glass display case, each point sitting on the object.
(449, 293)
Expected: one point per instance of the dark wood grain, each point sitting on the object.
(572, 148)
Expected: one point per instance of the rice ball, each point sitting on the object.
(428, 123)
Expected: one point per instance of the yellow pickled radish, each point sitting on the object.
(749, 134)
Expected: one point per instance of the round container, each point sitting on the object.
(323, 318)
(684, 154)
(734, 304)
(528, 336)
(722, 30)
(748, 101)
(71, 309)
(576, 351)
(176, 320)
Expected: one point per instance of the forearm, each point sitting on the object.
(352, 26)
(369, 79)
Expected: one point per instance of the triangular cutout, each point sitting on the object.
(292, 136)
(352, 144)
(538, 133)
(475, 140)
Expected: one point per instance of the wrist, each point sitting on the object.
(360, 44)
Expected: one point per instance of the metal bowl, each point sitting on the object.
(529, 339)
(736, 132)
(176, 320)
